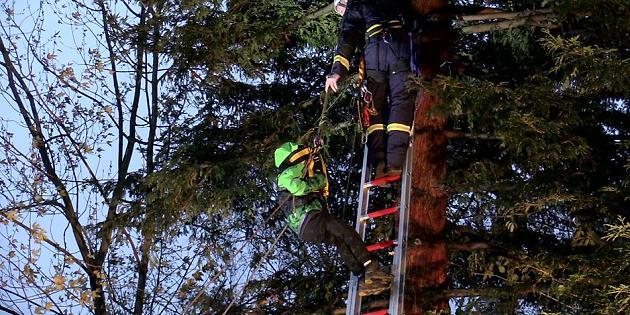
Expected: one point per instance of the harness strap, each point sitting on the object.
(305, 154)
(378, 28)
(298, 156)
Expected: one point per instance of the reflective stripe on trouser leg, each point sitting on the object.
(400, 119)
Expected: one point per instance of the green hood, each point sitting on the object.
(284, 151)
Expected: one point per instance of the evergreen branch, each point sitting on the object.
(468, 246)
(311, 16)
(504, 15)
(541, 20)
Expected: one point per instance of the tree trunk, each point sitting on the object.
(427, 254)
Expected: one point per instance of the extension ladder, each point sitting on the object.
(396, 293)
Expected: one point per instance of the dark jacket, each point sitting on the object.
(362, 19)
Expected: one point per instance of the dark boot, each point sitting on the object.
(393, 171)
(373, 274)
(380, 171)
(373, 288)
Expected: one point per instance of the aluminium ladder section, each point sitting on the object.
(398, 266)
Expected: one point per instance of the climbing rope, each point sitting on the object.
(208, 282)
(257, 267)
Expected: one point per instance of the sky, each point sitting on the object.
(62, 42)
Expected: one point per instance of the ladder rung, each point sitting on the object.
(381, 312)
(379, 213)
(381, 245)
(381, 181)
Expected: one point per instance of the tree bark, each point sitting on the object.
(427, 254)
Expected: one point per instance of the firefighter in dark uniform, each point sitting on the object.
(379, 26)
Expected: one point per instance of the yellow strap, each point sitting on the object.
(377, 28)
(362, 69)
(398, 127)
(326, 190)
(311, 172)
(375, 127)
(342, 60)
(299, 154)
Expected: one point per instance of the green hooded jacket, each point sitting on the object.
(290, 158)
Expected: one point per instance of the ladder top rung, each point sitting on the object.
(380, 312)
(379, 213)
(381, 245)
(382, 181)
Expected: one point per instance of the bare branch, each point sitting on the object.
(47, 240)
(33, 122)
(504, 15)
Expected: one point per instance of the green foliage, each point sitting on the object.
(539, 177)
(544, 169)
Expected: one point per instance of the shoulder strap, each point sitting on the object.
(298, 156)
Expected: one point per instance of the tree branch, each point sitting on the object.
(468, 246)
(38, 137)
(47, 240)
(311, 16)
(503, 15)
(537, 20)
(8, 310)
(540, 18)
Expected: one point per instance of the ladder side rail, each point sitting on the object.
(399, 265)
(353, 306)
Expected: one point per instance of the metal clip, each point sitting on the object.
(318, 143)
(368, 100)
(387, 37)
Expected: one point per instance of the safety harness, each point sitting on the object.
(313, 160)
(364, 101)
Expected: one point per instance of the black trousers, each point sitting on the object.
(387, 62)
(321, 227)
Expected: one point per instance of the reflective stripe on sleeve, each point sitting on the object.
(342, 60)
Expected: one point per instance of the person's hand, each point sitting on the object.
(331, 82)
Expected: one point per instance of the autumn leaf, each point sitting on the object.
(11, 215)
(181, 294)
(38, 233)
(60, 282)
(86, 148)
(77, 282)
(85, 298)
